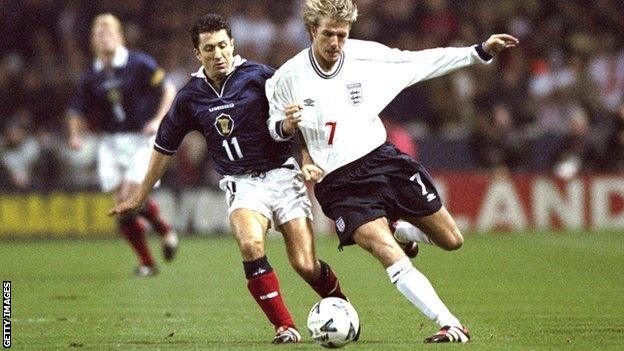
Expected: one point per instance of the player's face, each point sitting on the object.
(216, 53)
(106, 39)
(328, 39)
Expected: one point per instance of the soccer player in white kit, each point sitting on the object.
(332, 93)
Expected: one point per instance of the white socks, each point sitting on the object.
(406, 232)
(418, 290)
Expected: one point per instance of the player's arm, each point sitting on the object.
(75, 126)
(499, 42)
(157, 166)
(310, 171)
(441, 61)
(284, 114)
(75, 115)
(168, 95)
(411, 67)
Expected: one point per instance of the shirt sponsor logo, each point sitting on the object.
(224, 124)
(219, 108)
(355, 93)
(340, 224)
(308, 102)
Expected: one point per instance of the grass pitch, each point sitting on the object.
(521, 291)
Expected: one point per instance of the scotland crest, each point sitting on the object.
(355, 93)
(224, 124)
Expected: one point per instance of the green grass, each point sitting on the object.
(515, 292)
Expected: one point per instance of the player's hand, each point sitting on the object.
(499, 42)
(311, 173)
(293, 117)
(125, 207)
(76, 143)
(151, 128)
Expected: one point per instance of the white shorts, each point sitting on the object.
(279, 194)
(123, 156)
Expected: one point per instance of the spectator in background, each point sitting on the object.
(615, 145)
(440, 23)
(19, 155)
(125, 96)
(606, 69)
(496, 142)
(576, 152)
(44, 48)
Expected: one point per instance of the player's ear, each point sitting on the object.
(313, 31)
(232, 43)
(198, 55)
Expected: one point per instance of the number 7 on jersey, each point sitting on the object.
(332, 130)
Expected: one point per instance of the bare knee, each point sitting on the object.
(306, 268)
(386, 253)
(251, 248)
(453, 240)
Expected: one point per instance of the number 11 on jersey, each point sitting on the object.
(228, 150)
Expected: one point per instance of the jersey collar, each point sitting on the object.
(238, 61)
(317, 68)
(120, 59)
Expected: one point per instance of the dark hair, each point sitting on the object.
(209, 23)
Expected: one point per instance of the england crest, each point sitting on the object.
(355, 93)
(340, 224)
(224, 124)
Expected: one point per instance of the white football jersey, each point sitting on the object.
(340, 119)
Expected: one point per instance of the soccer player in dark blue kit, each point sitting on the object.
(225, 100)
(124, 96)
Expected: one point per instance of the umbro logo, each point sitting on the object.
(308, 102)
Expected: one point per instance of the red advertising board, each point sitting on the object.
(483, 202)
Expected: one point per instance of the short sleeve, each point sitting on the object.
(173, 128)
(78, 102)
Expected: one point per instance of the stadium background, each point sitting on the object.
(545, 119)
(532, 145)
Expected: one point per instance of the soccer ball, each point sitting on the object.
(333, 322)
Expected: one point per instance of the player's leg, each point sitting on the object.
(111, 179)
(405, 232)
(417, 201)
(439, 228)
(376, 238)
(249, 229)
(135, 172)
(133, 230)
(299, 240)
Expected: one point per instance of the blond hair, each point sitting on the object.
(338, 10)
(107, 19)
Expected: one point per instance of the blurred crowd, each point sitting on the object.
(563, 86)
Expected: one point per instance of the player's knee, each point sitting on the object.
(305, 268)
(386, 253)
(453, 241)
(251, 247)
(126, 220)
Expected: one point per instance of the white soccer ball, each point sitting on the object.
(333, 322)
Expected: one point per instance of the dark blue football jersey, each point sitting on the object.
(122, 98)
(233, 121)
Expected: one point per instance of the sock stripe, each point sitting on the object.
(270, 295)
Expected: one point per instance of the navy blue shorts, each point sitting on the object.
(384, 183)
